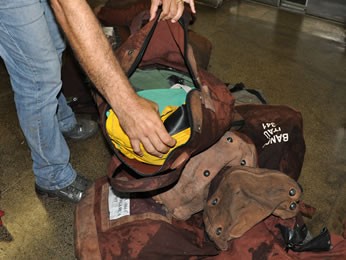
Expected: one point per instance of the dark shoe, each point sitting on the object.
(72, 193)
(84, 129)
(82, 183)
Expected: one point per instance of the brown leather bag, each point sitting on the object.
(149, 233)
(209, 105)
(145, 234)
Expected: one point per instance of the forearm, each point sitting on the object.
(93, 51)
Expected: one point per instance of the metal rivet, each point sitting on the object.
(214, 202)
(293, 206)
(229, 139)
(206, 173)
(243, 162)
(130, 52)
(218, 231)
(292, 192)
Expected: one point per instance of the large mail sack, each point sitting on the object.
(112, 225)
(208, 107)
(277, 132)
(140, 228)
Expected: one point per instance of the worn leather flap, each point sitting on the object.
(240, 197)
(188, 196)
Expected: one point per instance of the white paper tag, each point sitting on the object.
(118, 207)
(108, 31)
(184, 87)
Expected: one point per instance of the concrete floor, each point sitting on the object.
(294, 59)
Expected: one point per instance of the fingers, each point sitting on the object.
(143, 126)
(192, 5)
(135, 143)
(153, 8)
(171, 9)
(164, 141)
(154, 144)
(179, 12)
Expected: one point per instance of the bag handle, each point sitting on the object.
(183, 53)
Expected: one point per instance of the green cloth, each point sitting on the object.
(164, 97)
(156, 79)
(154, 84)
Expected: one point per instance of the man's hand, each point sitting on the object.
(141, 122)
(171, 9)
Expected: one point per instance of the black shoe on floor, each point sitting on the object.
(72, 193)
(82, 183)
(84, 129)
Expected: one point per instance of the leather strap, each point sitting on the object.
(177, 121)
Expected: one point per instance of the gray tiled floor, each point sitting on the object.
(295, 60)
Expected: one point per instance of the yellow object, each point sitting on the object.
(122, 142)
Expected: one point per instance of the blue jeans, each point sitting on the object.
(31, 46)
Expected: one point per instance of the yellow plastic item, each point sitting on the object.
(122, 142)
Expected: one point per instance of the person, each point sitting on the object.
(31, 46)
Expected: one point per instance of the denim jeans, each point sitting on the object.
(31, 46)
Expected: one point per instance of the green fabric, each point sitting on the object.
(156, 79)
(164, 97)
(154, 84)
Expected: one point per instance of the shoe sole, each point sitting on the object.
(45, 195)
(80, 138)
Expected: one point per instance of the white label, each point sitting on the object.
(184, 87)
(108, 31)
(118, 207)
(273, 133)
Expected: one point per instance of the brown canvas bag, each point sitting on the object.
(148, 233)
(265, 241)
(128, 16)
(209, 106)
(277, 132)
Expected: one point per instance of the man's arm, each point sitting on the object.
(138, 117)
